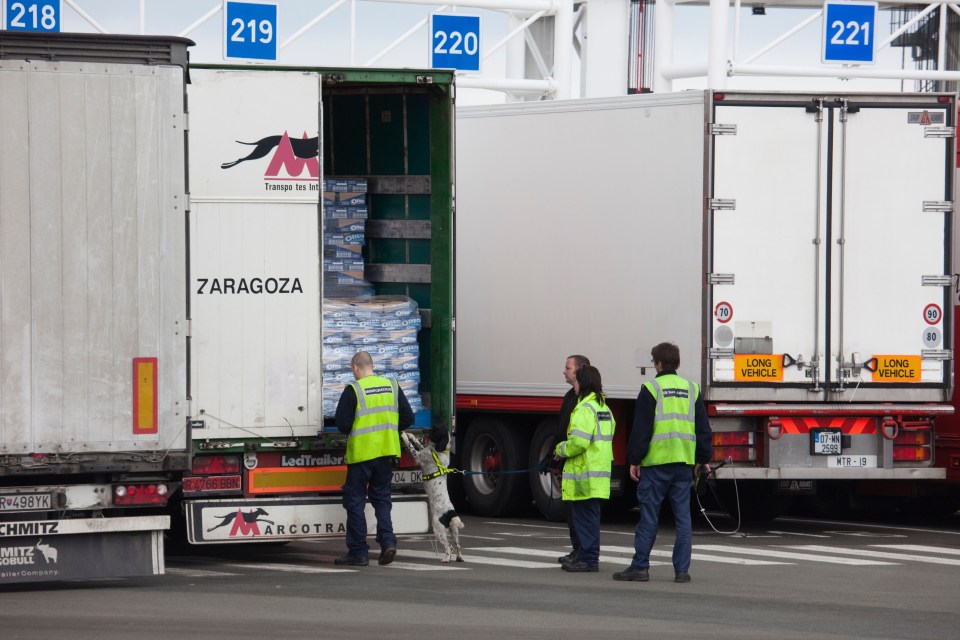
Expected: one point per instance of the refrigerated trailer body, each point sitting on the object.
(93, 322)
(796, 247)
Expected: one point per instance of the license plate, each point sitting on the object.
(826, 442)
(218, 483)
(849, 462)
(407, 476)
(25, 502)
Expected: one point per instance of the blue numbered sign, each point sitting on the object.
(455, 42)
(250, 31)
(33, 15)
(849, 32)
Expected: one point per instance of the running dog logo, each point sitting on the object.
(243, 523)
(291, 155)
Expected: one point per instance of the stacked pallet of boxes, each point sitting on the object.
(344, 222)
(353, 318)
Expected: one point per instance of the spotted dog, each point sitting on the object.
(433, 459)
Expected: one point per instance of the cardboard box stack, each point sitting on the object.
(384, 326)
(344, 226)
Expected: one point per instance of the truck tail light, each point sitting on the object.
(140, 493)
(215, 465)
(911, 454)
(913, 442)
(737, 446)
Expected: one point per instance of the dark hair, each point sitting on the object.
(588, 380)
(667, 354)
(579, 361)
(440, 437)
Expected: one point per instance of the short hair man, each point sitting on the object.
(373, 411)
(670, 441)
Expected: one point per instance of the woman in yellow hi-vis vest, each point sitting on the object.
(671, 434)
(373, 411)
(588, 458)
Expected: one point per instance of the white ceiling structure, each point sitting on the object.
(531, 49)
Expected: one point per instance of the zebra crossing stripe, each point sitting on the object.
(196, 573)
(880, 554)
(772, 553)
(918, 547)
(412, 566)
(473, 559)
(546, 553)
(279, 566)
(696, 556)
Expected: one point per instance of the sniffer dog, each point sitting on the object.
(433, 459)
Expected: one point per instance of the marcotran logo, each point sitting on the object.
(291, 157)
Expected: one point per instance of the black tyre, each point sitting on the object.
(545, 487)
(497, 451)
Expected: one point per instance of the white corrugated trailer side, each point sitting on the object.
(93, 321)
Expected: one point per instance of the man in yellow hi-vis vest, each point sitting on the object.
(670, 440)
(373, 411)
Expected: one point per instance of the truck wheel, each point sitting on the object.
(545, 487)
(495, 450)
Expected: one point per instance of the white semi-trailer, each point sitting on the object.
(797, 248)
(93, 311)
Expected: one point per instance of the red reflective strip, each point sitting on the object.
(792, 425)
(847, 425)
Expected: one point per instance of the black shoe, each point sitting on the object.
(579, 566)
(632, 575)
(354, 561)
(681, 576)
(387, 555)
(570, 557)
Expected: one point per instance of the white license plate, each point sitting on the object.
(826, 442)
(850, 462)
(25, 502)
(407, 476)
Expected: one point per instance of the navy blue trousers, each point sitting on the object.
(586, 522)
(673, 482)
(368, 479)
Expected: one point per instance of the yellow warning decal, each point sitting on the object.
(757, 368)
(897, 369)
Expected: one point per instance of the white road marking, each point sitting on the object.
(471, 559)
(917, 547)
(878, 554)
(197, 573)
(771, 553)
(696, 556)
(870, 526)
(546, 553)
(797, 533)
(464, 535)
(290, 568)
(440, 566)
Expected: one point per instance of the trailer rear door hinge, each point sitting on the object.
(716, 354)
(936, 354)
(723, 129)
(937, 281)
(937, 206)
(720, 278)
(722, 204)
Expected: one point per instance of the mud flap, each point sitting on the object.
(82, 549)
(287, 519)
